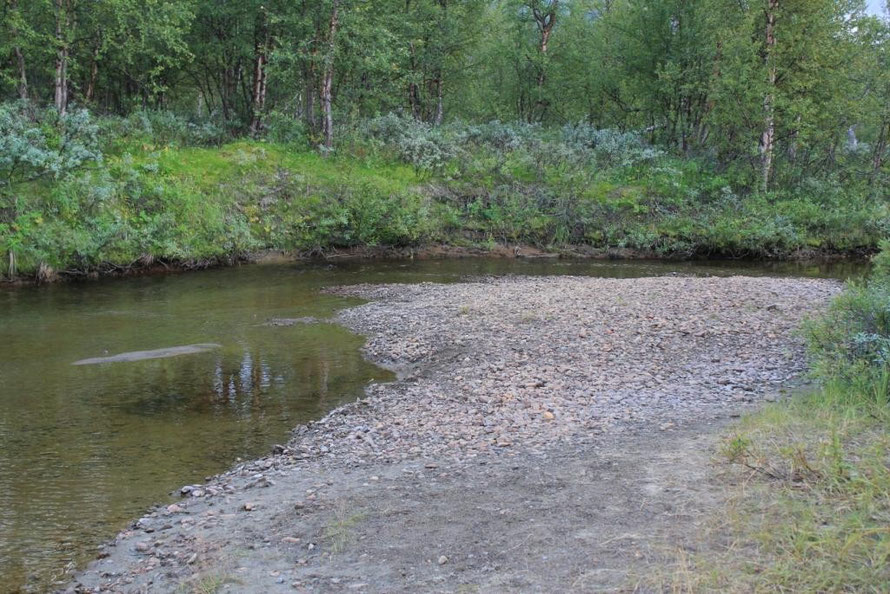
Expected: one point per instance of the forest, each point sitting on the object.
(185, 131)
(557, 422)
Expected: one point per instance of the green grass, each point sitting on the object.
(339, 532)
(808, 507)
(209, 167)
(152, 200)
(810, 503)
(208, 583)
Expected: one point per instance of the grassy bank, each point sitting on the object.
(809, 506)
(83, 194)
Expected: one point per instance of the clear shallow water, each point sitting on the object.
(85, 449)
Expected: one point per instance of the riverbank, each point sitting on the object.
(544, 433)
(145, 200)
(148, 267)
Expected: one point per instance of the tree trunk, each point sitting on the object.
(545, 21)
(880, 147)
(413, 93)
(19, 58)
(414, 101)
(328, 81)
(23, 73)
(311, 79)
(258, 92)
(309, 107)
(94, 73)
(767, 138)
(61, 79)
(439, 107)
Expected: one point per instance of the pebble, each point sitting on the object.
(603, 354)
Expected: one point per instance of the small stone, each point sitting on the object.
(250, 506)
(443, 560)
(143, 547)
(548, 416)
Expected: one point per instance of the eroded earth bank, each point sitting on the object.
(545, 434)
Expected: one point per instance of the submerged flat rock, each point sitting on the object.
(188, 349)
(291, 321)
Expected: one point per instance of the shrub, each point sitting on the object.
(422, 146)
(851, 342)
(610, 148)
(286, 129)
(162, 127)
(39, 144)
(500, 136)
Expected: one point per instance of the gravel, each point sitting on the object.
(498, 378)
(523, 362)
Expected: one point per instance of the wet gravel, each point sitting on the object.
(497, 377)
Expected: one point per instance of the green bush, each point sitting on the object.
(611, 148)
(36, 144)
(81, 194)
(851, 342)
(421, 145)
(165, 128)
(286, 129)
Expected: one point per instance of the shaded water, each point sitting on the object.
(85, 449)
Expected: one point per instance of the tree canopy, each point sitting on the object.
(777, 87)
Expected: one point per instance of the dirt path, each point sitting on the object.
(545, 435)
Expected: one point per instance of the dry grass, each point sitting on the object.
(808, 507)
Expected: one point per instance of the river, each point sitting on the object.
(84, 449)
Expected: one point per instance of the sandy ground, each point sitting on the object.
(545, 434)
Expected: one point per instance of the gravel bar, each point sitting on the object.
(497, 376)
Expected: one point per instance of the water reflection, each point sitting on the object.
(85, 448)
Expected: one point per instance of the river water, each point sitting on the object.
(84, 449)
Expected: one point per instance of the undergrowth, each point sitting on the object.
(809, 479)
(81, 194)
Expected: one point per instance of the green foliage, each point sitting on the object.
(807, 502)
(419, 144)
(809, 485)
(165, 128)
(610, 148)
(851, 343)
(38, 144)
(702, 79)
(284, 129)
(166, 189)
